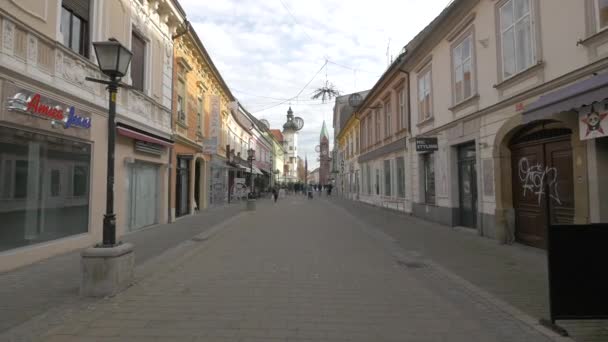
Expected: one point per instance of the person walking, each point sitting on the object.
(275, 194)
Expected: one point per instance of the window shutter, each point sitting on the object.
(80, 7)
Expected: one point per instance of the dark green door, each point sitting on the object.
(467, 185)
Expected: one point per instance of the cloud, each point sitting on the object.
(268, 50)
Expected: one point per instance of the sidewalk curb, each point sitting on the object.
(400, 254)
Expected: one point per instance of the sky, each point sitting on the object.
(269, 51)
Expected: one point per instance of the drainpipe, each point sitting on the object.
(409, 104)
(186, 29)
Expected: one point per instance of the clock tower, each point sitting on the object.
(324, 157)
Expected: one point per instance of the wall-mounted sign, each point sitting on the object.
(34, 104)
(426, 144)
(211, 144)
(593, 124)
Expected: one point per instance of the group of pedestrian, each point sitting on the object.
(308, 192)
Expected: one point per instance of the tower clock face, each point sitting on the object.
(324, 152)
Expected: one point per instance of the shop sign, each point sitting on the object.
(36, 105)
(210, 144)
(426, 144)
(593, 124)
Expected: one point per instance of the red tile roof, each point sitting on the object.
(277, 134)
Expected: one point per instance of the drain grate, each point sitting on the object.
(199, 239)
(411, 264)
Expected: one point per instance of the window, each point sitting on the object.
(370, 139)
(462, 61)
(363, 130)
(368, 173)
(74, 25)
(424, 95)
(80, 181)
(377, 182)
(388, 129)
(291, 148)
(55, 183)
(378, 125)
(400, 177)
(602, 13)
(516, 33)
(199, 116)
(428, 162)
(21, 171)
(402, 120)
(387, 178)
(7, 176)
(356, 142)
(181, 101)
(40, 209)
(138, 61)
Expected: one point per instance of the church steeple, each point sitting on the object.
(324, 131)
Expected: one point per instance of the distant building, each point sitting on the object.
(324, 157)
(290, 135)
(301, 170)
(313, 176)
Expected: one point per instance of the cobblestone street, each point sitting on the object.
(324, 277)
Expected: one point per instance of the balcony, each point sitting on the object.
(27, 53)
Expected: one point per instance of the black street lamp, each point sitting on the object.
(114, 60)
(251, 158)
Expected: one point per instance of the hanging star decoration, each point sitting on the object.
(326, 93)
(593, 121)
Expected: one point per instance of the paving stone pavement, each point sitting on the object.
(299, 270)
(516, 274)
(35, 289)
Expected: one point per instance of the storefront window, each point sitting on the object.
(387, 178)
(35, 203)
(428, 161)
(400, 177)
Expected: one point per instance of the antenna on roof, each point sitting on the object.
(387, 52)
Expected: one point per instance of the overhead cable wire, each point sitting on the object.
(298, 94)
(293, 17)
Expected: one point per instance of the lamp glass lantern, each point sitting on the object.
(113, 58)
(251, 154)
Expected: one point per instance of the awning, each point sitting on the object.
(574, 96)
(256, 171)
(127, 132)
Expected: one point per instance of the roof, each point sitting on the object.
(345, 111)
(413, 44)
(192, 33)
(277, 134)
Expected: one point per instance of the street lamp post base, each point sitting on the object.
(250, 204)
(106, 270)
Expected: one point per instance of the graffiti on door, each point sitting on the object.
(537, 179)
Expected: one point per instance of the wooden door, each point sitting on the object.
(467, 185)
(560, 182)
(543, 188)
(528, 200)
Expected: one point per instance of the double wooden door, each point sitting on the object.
(543, 188)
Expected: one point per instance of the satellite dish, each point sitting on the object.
(318, 148)
(265, 123)
(355, 100)
(299, 122)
